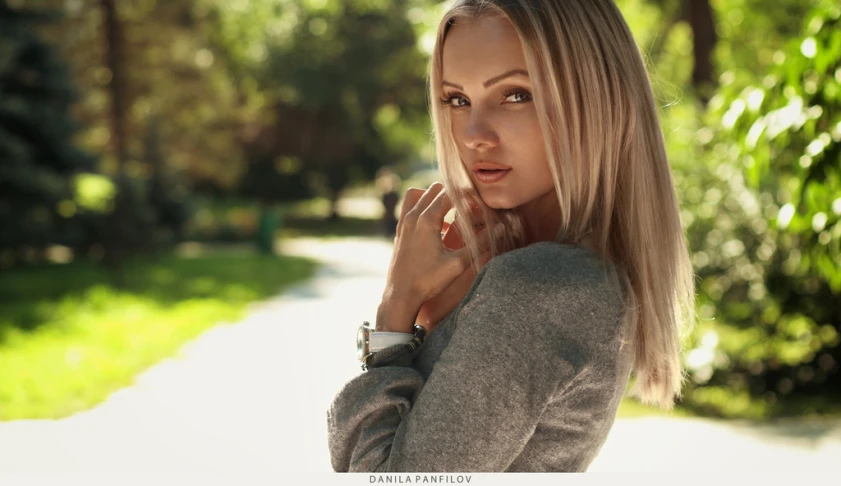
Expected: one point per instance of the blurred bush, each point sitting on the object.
(51, 191)
(37, 157)
(762, 213)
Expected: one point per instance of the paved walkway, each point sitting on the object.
(252, 396)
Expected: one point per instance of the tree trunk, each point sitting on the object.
(114, 49)
(115, 241)
(702, 22)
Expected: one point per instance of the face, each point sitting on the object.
(486, 88)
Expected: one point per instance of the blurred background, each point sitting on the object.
(157, 156)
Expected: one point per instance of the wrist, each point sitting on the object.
(397, 353)
(396, 315)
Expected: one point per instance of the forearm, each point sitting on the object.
(365, 415)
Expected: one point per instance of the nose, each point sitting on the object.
(479, 133)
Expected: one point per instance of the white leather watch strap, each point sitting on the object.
(382, 339)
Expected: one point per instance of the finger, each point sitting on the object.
(439, 207)
(413, 194)
(432, 193)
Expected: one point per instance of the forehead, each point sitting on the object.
(478, 49)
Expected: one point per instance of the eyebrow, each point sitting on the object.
(493, 80)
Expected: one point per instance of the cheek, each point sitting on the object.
(524, 136)
(457, 129)
(519, 134)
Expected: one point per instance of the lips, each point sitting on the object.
(490, 172)
(484, 165)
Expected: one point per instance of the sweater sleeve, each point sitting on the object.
(518, 342)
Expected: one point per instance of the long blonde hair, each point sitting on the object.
(610, 170)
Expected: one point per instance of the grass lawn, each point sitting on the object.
(69, 337)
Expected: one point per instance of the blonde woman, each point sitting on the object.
(511, 350)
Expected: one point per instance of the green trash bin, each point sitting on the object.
(270, 220)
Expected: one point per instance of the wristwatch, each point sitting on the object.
(376, 348)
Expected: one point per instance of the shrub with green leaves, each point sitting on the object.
(37, 156)
(766, 235)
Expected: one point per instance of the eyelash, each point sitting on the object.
(448, 100)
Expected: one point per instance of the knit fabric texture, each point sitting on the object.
(525, 374)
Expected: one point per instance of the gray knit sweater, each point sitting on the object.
(525, 374)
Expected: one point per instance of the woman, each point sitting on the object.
(532, 335)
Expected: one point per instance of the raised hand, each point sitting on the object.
(434, 310)
(422, 267)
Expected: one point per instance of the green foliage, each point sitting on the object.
(753, 31)
(767, 342)
(167, 194)
(789, 129)
(93, 192)
(50, 193)
(343, 80)
(69, 338)
(37, 154)
(171, 76)
(762, 229)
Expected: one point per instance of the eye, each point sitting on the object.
(520, 96)
(454, 101)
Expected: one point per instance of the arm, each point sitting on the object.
(514, 349)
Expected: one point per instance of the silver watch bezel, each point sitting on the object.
(363, 340)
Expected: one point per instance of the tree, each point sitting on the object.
(700, 17)
(768, 264)
(114, 41)
(726, 36)
(155, 61)
(342, 80)
(37, 157)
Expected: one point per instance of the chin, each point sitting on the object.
(498, 202)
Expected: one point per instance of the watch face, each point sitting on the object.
(361, 342)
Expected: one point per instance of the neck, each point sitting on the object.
(542, 219)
